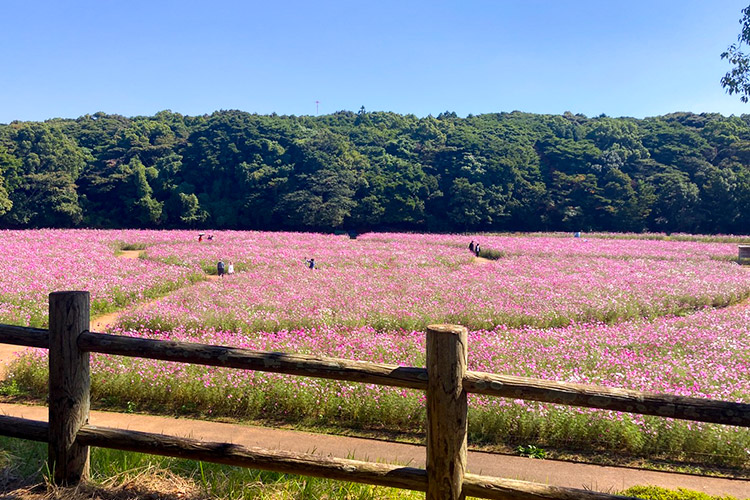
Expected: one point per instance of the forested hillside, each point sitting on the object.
(507, 171)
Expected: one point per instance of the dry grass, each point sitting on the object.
(149, 484)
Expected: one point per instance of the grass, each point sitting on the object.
(126, 247)
(657, 493)
(531, 451)
(211, 268)
(121, 475)
(121, 299)
(416, 320)
(22, 461)
(316, 403)
(491, 254)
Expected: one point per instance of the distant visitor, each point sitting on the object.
(220, 268)
(476, 250)
(310, 263)
(471, 246)
(230, 268)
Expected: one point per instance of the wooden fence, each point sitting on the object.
(743, 254)
(69, 434)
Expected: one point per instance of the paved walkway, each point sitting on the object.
(556, 473)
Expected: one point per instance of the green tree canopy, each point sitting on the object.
(379, 170)
(737, 80)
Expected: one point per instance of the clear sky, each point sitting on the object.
(622, 58)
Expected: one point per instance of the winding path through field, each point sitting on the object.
(556, 473)
(100, 323)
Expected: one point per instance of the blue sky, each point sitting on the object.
(634, 58)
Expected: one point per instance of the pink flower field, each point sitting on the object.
(407, 281)
(35, 263)
(640, 314)
(701, 355)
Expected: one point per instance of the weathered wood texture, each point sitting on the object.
(277, 362)
(256, 458)
(607, 398)
(512, 489)
(22, 428)
(69, 385)
(356, 471)
(20, 335)
(447, 411)
(680, 407)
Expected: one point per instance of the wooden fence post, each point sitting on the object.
(743, 254)
(69, 384)
(446, 411)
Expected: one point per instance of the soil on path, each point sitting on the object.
(101, 323)
(551, 472)
(98, 324)
(7, 354)
(129, 254)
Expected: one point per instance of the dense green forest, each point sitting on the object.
(379, 170)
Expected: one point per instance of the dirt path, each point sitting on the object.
(556, 473)
(481, 260)
(130, 254)
(101, 323)
(98, 324)
(7, 354)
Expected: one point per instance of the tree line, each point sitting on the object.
(379, 170)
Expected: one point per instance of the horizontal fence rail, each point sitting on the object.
(20, 335)
(246, 359)
(393, 476)
(507, 386)
(23, 428)
(608, 398)
(356, 471)
(70, 435)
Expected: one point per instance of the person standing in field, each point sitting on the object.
(476, 250)
(230, 269)
(220, 268)
(310, 263)
(471, 246)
